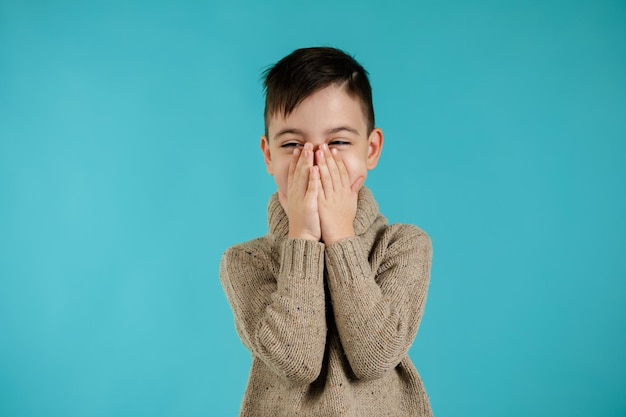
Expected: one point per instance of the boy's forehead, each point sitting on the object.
(324, 109)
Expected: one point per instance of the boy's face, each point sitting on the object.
(328, 116)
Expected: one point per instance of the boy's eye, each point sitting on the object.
(290, 145)
(338, 143)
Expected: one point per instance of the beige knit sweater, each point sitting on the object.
(329, 327)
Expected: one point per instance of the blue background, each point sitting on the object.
(129, 162)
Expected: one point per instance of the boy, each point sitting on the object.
(329, 301)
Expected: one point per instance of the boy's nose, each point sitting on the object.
(315, 147)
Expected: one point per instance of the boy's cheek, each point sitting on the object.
(282, 181)
(355, 169)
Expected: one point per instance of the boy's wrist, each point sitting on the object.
(336, 237)
(305, 236)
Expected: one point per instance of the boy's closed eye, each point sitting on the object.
(335, 143)
(291, 145)
(338, 143)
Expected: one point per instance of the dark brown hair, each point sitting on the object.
(308, 70)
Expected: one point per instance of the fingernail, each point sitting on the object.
(296, 151)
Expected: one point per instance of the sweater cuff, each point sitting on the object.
(302, 263)
(347, 259)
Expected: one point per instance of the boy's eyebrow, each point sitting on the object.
(329, 132)
(341, 129)
(288, 130)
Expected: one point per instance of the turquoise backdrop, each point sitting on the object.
(129, 162)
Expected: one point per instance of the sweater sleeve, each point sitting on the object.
(378, 311)
(280, 319)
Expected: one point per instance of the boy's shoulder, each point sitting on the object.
(257, 252)
(405, 236)
(258, 245)
(409, 231)
(389, 233)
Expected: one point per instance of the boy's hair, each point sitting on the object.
(308, 70)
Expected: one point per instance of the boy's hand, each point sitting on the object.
(301, 201)
(337, 198)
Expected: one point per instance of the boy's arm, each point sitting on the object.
(281, 319)
(378, 312)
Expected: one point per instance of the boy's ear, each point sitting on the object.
(267, 156)
(374, 147)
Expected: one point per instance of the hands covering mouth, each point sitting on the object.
(321, 202)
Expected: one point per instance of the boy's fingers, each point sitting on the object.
(342, 172)
(294, 161)
(301, 173)
(292, 167)
(325, 176)
(356, 186)
(299, 162)
(314, 179)
(332, 166)
(310, 155)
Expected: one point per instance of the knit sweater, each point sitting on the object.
(329, 327)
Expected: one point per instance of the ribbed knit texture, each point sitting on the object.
(329, 327)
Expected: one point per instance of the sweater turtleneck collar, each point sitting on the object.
(366, 214)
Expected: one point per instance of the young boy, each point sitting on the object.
(329, 301)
